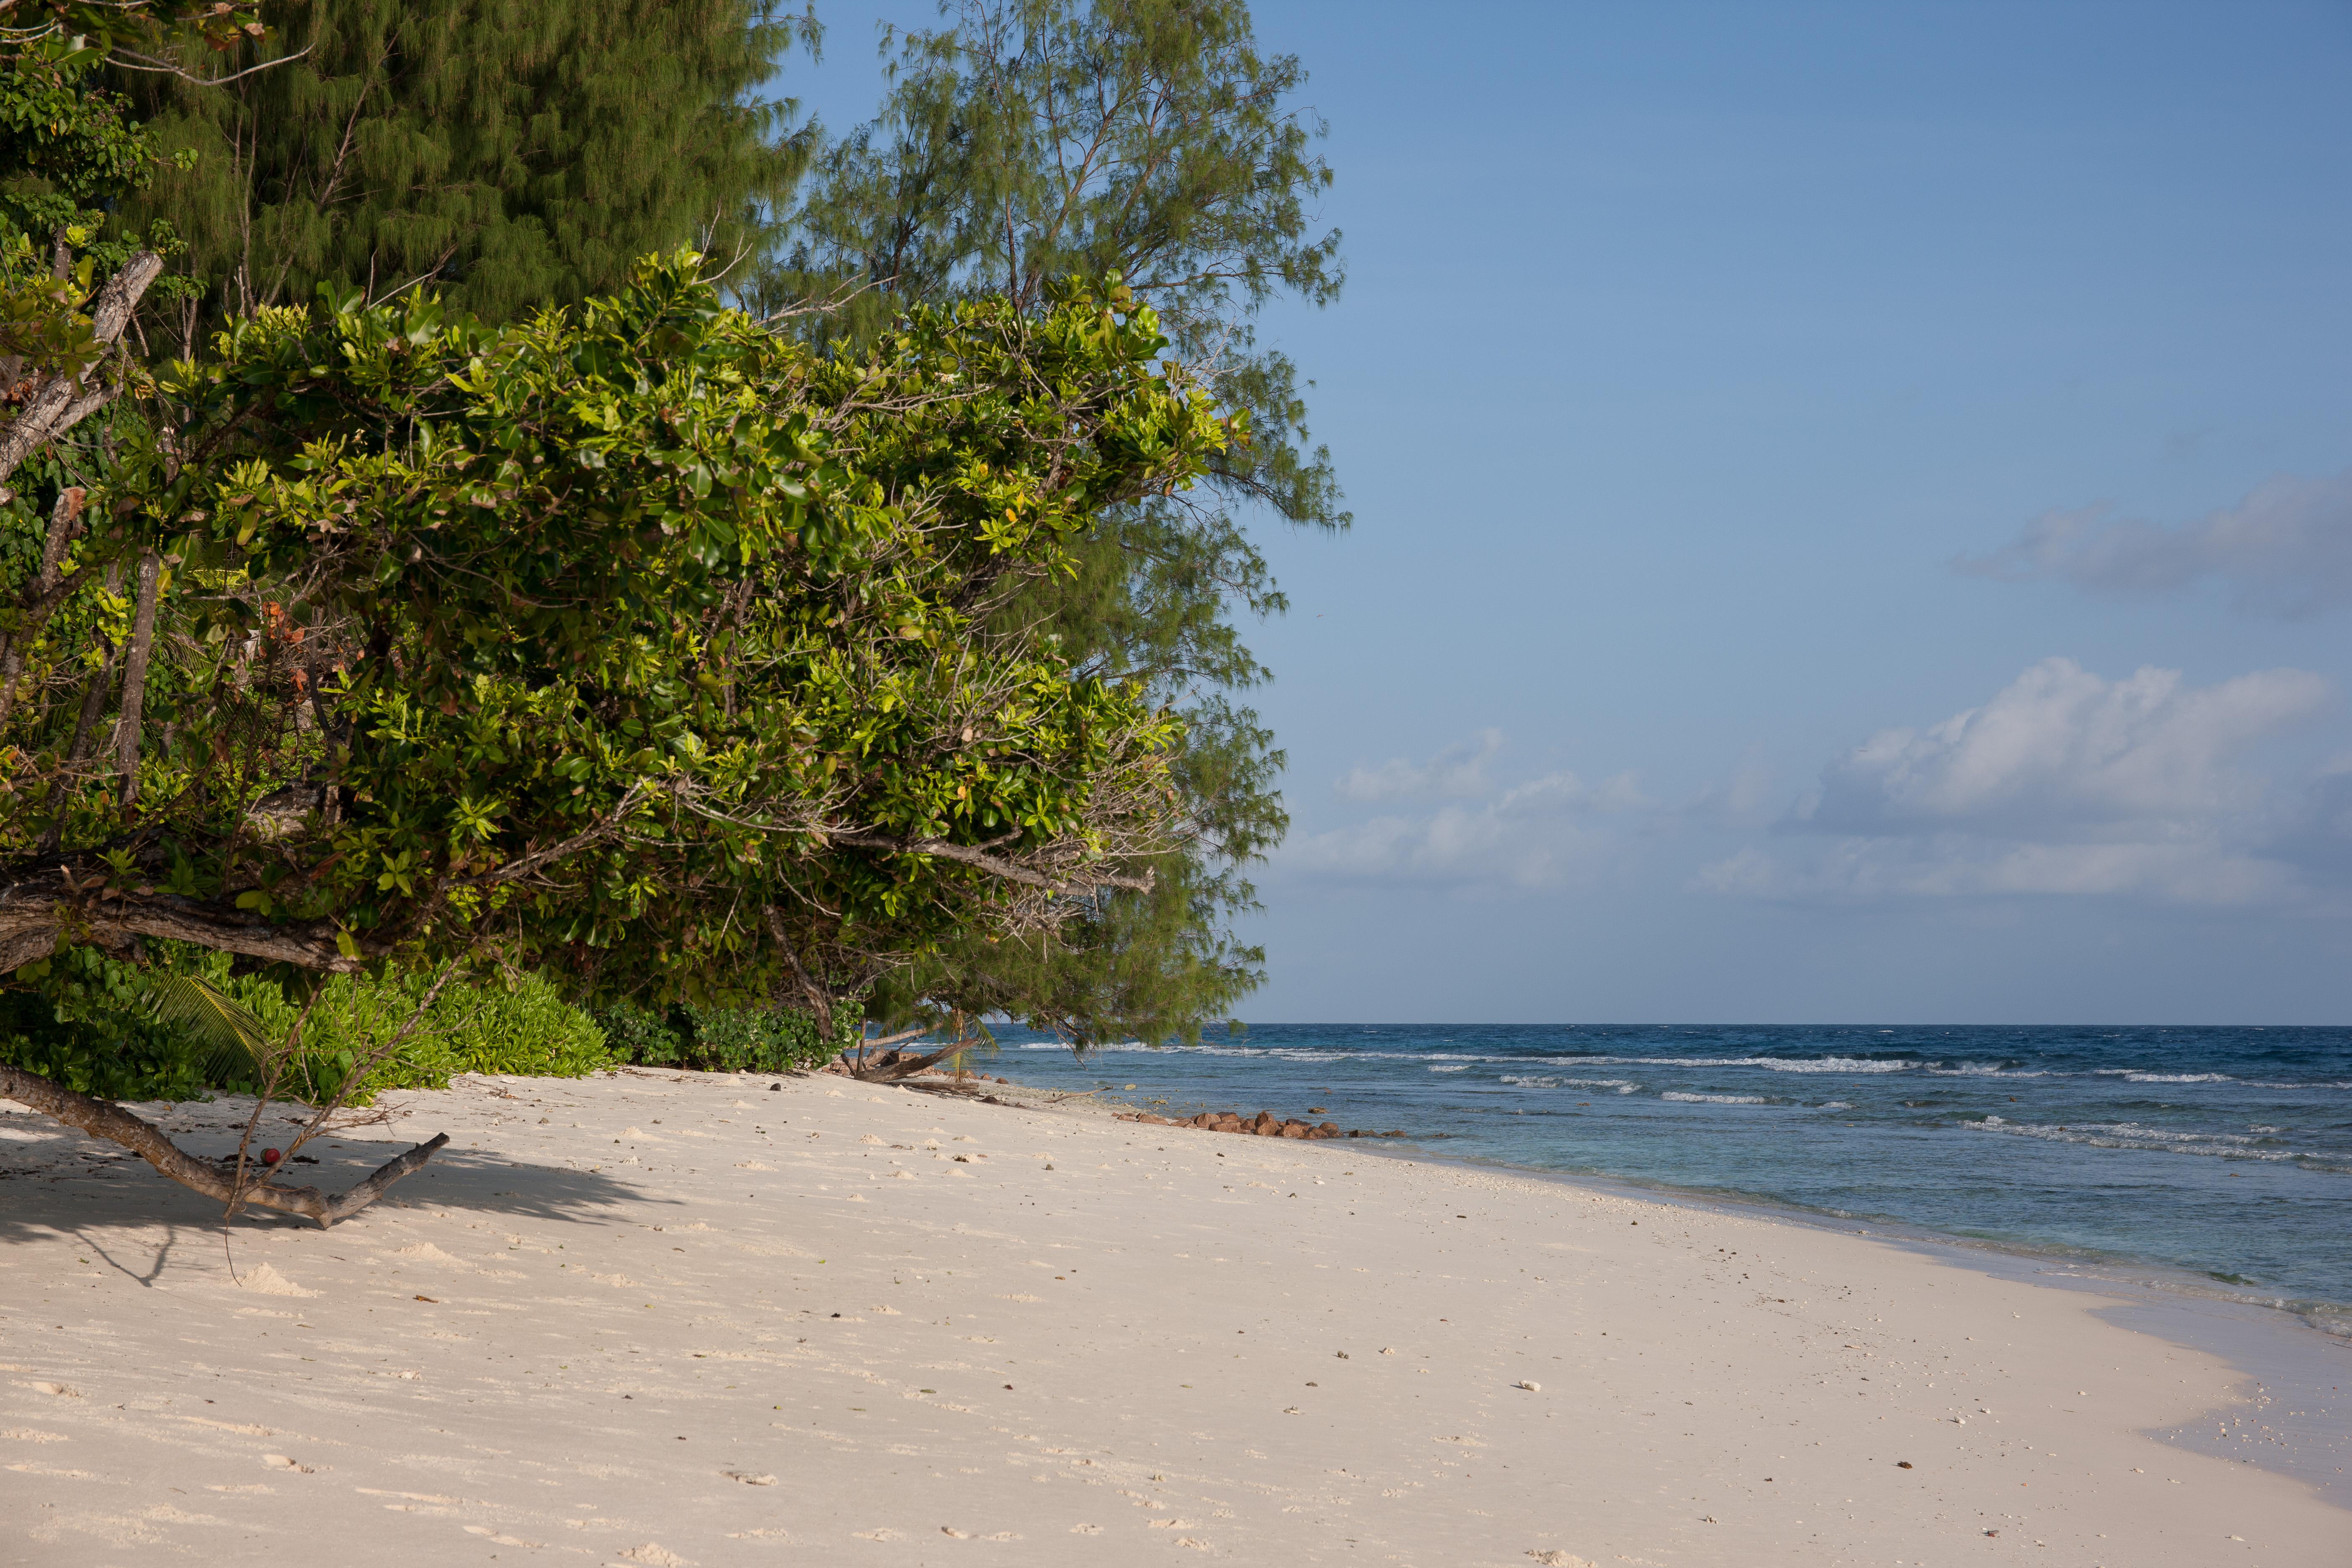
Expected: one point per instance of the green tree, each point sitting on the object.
(636, 642)
(1029, 139)
(513, 153)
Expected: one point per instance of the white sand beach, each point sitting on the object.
(656, 1318)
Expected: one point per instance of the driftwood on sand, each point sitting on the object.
(102, 1119)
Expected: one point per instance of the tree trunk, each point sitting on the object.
(101, 1119)
(820, 1003)
(134, 675)
(866, 1065)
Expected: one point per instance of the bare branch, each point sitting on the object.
(132, 61)
(994, 865)
(134, 675)
(101, 1120)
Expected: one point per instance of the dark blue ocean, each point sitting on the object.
(2216, 1160)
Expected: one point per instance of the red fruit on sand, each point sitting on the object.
(270, 1156)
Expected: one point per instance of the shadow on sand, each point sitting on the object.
(48, 1189)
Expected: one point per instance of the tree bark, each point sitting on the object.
(907, 1067)
(37, 899)
(134, 675)
(59, 400)
(820, 1003)
(864, 1064)
(102, 1119)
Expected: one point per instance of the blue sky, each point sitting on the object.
(1851, 514)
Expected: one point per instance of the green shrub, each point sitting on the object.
(639, 1035)
(522, 1028)
(90, 1027)
(721, 1040)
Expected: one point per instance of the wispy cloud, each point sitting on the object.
(2286, 550)
(1455, 774)
(1542, 833)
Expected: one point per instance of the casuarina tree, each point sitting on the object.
(1152, 139)
(510, 154)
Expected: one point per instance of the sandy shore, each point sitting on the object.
(662, 1320)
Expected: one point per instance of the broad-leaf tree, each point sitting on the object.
(637, 642)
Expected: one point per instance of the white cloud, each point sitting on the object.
(2064, 783)
(2062, 751)
(1455, 772)
(2286, 548)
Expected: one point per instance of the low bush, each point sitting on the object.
(92, 1026)
(521, 1026)
(92, 1030)
(723, 1040)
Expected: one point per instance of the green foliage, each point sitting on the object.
(637, 620)
(90, 1026)
(636, 641)
(521, 1026)
(235, 1042)
(724, 1039)
(1148, 138)
(515, 153)
(1033, 139)
(122, 1030)
(70, 154)
(66, 31)
(643, 1035)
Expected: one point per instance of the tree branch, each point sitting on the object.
(41, 903)
(134, 675)
(48, 590)
(61, 401)
(101, 1119)
(820, 1003)
(130, 59)
(994, 865)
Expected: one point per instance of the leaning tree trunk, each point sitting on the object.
(61, 399)
(102, 1119)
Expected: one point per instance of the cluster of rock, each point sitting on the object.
(1266, 1124)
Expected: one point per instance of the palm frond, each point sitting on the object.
(234, 1040)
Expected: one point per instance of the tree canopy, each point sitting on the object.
(1023, 142)
(636, 642)
(637, 622)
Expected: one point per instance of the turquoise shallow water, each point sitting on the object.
(2221, 1158)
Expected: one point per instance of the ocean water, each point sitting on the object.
(2210, 1159)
